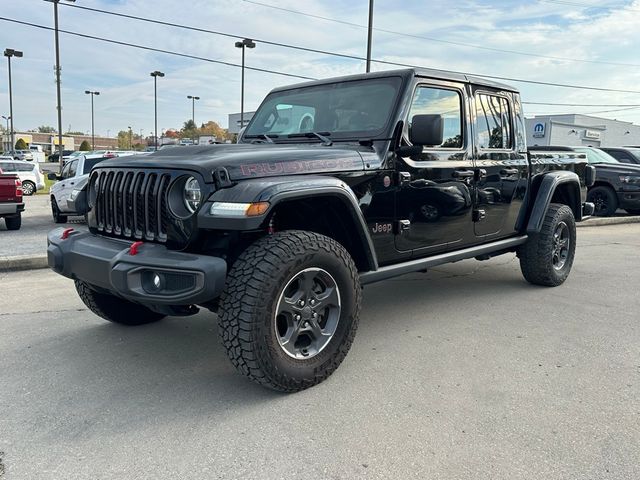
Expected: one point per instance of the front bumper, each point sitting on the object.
(629, 200)
(186, 279)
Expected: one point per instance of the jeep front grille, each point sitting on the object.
(131, 204)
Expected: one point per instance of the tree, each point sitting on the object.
(21, 144)
(84, 146)
(189, 130)
(46, 129)
(74, 133)
(212, 128)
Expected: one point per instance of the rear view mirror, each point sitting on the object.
(427, 130)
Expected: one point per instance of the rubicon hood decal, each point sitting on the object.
(290, 167)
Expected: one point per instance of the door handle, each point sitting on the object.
(509, 171)
(462, 174)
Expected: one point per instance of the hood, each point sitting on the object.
(244, 161)
(622, 168)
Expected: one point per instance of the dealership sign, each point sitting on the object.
(538, 130)
(592, 134)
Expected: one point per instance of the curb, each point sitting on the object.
(23, 262)
(597, 221)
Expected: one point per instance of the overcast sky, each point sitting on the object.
(574, 29)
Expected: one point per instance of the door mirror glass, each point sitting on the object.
(427, 130)
(52, 176)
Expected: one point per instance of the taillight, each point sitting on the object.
(18, 188)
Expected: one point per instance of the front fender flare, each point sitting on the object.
(277, 190)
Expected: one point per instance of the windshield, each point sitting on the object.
(595, 155)
(354, 110)
(89, 163)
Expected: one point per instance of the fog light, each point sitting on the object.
(157, 281)
(152, 282)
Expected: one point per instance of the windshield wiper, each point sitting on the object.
(265, 136)
(323, 137)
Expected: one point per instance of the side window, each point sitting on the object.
(8, 166)
(439, 101)
(72, 168)
(25, 168)
(65, 171)
(493, 122)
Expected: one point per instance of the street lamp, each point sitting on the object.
(93, 135)
(57, 69)
(130, 138)
(245, 43)
(10, 52)
(193, 107)
(7, 119)
(155, 74)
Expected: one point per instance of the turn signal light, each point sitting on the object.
(229, 209)
(256, 209)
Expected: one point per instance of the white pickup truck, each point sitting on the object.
(73, 177)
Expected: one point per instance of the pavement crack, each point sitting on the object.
(45, 311)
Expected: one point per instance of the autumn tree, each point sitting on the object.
(21, 144)
(84, 146)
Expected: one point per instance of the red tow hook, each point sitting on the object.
(65, 233)
(133, 249)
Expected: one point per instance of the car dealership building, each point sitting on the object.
(575, 129)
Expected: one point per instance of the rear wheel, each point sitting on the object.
(114, 309)
(28, 188)
(604, 200)
(547, 257)
(289, 311)
(57, 216)
(13, 223)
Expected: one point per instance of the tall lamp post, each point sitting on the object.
(7, 119)
(10, 52)
(155, 74)
(130, 138)
(57, 69)
(93, 135)
(193, 107)
(369, 36)
(246, 43)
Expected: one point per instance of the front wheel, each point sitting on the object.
(547, 257)
(115, 309)
(28, 188)
(58, 217)
(289, 311)
(604, 200)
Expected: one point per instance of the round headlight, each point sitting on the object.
(192, 194)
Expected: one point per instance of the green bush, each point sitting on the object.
(84, 146)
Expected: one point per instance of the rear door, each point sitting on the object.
(502, 169)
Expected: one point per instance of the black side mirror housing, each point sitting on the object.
(52, 176)
(427, 130)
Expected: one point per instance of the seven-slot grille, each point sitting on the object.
(132, 204)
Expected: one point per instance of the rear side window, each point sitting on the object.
(7, 166)
(448, 104)
(24, 168)
(493, 122)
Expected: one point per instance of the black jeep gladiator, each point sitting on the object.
(334, 184)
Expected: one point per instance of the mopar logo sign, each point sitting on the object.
(538, 130)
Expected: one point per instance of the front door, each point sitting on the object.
(434, 193)
(502, 169)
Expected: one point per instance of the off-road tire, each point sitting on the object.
(604, 199)
(114, 309)
(55, 211)
(249, 301)
(28, 188)
(632, 211)
(536, 255)
(13, 223)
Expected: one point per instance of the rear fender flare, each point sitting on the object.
(547, 187)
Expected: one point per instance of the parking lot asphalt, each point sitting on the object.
(465, 372)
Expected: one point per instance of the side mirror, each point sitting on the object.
(52, 176)
(427, 130)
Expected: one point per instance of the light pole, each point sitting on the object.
(57, 69)
(130, 138)
(155, 74)
(369, 36)
(246, 43)
(93, 135)
(193, 107)
(7, 119)
(10, 52)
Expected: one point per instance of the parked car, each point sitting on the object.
(21, 155)
(11, 204)
(73, 174)
(28, 172)
(624, 154)
(55, 155)
(334, 187)
(617, 184)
